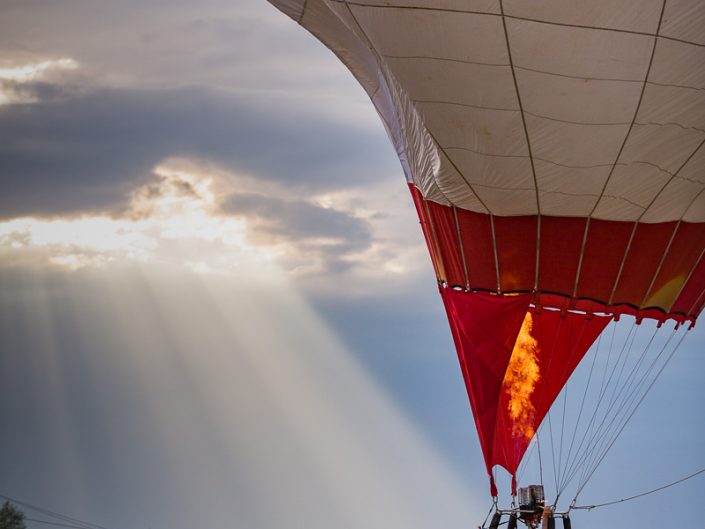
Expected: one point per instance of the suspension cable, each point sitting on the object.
(492, 508)
(580, 414)
(641, 399)
(596, 437)
(606, 428)
(604, 385)
(628, 375)
(681, 480)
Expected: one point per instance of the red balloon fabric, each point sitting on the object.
(484, 329)
(555, 158)
(514, 361)
(646, 270)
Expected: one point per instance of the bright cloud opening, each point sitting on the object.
(174, 221)
(207, 220)
(29, 72)
(12, 76)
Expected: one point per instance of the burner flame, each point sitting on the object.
(523, 373)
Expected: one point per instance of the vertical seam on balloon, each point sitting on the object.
(303, 12)
(636, 111)
(457, 169)
(521, 106)
(528, 146)
(369, 46)
(372, 49)
(462, 249)
(690, 274)
(685, 211)
(372, 96)
(696, 262)
(673, 176)
(660, 265)
(368, 43)
(614, 165)
(372, 99)
(638, 220)
(621, 266)
(440, 269)
(580, 258)
(538, 253)
(698, 304)
(435, 141)
(496, 256)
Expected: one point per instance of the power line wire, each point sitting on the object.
(75, 521)
(56, 524)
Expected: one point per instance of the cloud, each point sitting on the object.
(192, 216)
(302, 161)
(27, 83)
(297, 219)
(120, 87)
(83, 153)
(209, 220)
(173, 221)
(20, 91)
(330, 234)
(152, 43)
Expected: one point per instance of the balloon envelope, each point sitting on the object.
(554, 152)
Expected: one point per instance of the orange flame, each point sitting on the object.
(523, 373)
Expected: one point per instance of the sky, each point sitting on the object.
(216, 306)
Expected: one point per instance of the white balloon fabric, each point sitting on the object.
(553, 107)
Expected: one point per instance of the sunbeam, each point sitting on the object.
(222, 395)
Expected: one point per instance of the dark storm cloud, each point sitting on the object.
(35, 91)
(97, 129)
(297, 219)
(304, 224)
(78, 152)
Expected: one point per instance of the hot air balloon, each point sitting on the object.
(554, 152)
